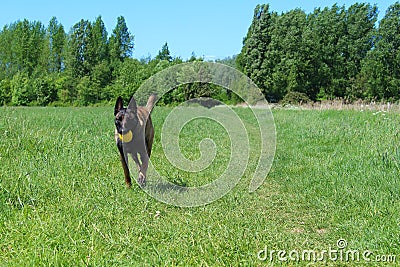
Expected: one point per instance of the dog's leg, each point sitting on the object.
(124, 162)
(149, 136)
(128, 180)
(141, 179)
(143, 168)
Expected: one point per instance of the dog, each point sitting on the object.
(134, 135)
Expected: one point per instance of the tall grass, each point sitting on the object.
(63, 201)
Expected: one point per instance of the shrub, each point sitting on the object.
(22, 90)
(296, 98)
(5, 92)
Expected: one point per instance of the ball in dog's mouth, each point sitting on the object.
(126, 138)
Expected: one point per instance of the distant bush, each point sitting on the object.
(59, 103)
(296, 98)
(5, 91)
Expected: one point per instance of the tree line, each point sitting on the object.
(42, 65)
(332, 52)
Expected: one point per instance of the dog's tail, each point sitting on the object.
(150, 103)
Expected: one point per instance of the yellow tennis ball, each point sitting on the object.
(126, 138)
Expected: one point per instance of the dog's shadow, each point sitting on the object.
(165, 187)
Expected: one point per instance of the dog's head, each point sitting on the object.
(126, 119)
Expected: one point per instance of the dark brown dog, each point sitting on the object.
(134, 135)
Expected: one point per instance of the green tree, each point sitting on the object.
(360, 26)
(87, 92)
(338, 40)
(381, 68)
(57, 38)
(8, 65)
(98, 51)
(44, 89)
(286, 55)
(328, 28)
(22, 91)
(164, 53)
(319, 54)
(255, 46)
(130, 76)
(97, 43)
(66, 88)
(201, 86)
(121, 41)
(77, 60)
(5, 91)
(358, 40)
(27, 39)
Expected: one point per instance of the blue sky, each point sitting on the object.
(209, 28)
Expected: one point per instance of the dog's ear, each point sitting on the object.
(119, 104)
(132, 105)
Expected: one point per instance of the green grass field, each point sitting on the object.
(63, 201)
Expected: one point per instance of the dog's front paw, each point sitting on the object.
(142, 179)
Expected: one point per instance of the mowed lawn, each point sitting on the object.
(63, 202)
